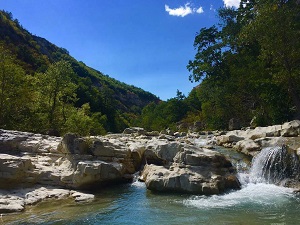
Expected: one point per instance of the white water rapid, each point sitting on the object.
(274, 165)
(260, 184)
(258, 202)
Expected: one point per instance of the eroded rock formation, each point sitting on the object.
(29, 160)
(192, 170)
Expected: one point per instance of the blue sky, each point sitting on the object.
(143, 43)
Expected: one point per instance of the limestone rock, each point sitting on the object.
(16, 200)
(82, 197)
(262, 136)
(161, 152)
(133, 130)
(248, 147)
(11, 203)
(228, 138)
(198, 171)
(152, 133)
(291, 129)
(72, 144)
(16, 142)
(13, 170)
(94, 173)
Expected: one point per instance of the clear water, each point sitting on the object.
(133, 204)
(255, 203)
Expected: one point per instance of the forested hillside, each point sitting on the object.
(44, 89)
(249, 68)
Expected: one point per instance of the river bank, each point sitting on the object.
(36, 167)
(59, 166)
(132, 203)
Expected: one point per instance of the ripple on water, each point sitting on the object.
(251, 195)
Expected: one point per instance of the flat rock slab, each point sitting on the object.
(16, 200)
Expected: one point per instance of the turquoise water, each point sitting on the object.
(255, 203)
(133, 204)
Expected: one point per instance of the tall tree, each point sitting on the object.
(276, 28)
(57, 94)
(249, 63)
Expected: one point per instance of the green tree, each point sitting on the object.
(16, 93)
(83, 122)
(249, 64)
(276, 28)
(57, 94)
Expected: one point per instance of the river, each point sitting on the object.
(256, 203)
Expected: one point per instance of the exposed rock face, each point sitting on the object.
(16, 142)
(251, 141)
(73, 162)
(192, 170)
(13, 170)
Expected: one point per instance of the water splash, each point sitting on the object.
(275, 165)
(272, 166)
(138, 184)
(257, 195)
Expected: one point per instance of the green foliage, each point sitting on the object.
(60, 87)
(82, 122)
(276, 28)
(249, 65)
(15, 93)
(163, 115)
(56, 94)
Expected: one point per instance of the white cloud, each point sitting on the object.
(232, 3)
(183, 10)
(200, 10)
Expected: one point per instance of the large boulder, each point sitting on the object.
(291, 129)
(248, 147)
(91, 174)
(160, 151)
(192, 170)
(228, 138)
(73, 144)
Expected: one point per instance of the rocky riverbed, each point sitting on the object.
(251, 141)
(34, 167)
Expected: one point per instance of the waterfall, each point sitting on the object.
(263, 184)
(275, 165)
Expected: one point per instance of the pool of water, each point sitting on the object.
(255, 203)
(133, 204)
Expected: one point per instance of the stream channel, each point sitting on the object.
(256, 203)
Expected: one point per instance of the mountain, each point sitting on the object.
(103, 93)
